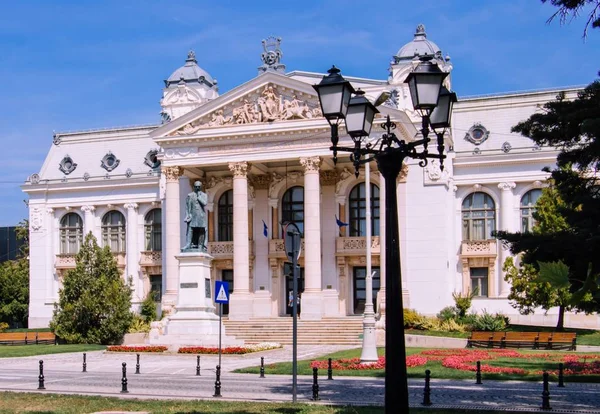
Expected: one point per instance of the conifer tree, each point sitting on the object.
(94, 302)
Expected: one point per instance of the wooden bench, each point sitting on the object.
(27, 338)
(535, 340)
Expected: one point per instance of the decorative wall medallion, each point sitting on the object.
(56, 139)
(67, 166)
(506, 147)
(109, 162)
(128, 173)
(271, 57)
(86, 176)
(477, 134)
(64, 179)
(151, 159)
(34, 179)
(150, 173)
(107, 176)
(477, 151)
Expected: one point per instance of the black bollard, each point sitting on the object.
(561, 378)
(218, 383)
(84, 364)
(329, 370)
(198, 365)
(478, 373)
(124, 380)
(41, 377)
(315, 386)
(427, 390)
(546, 394)
(262, 367)
(137, 364)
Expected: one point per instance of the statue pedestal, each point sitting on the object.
(194, 321)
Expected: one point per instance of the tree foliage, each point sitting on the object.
(569, 229)
(14, 283)
(94, 302)
(569, 9)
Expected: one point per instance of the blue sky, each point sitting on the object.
(82, 64)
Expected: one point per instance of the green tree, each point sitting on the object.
(573, 126)
(14, 283)
(94, 302)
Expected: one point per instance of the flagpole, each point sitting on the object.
(369, 349)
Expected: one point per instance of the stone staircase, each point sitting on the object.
(330, 331)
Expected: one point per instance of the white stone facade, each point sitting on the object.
(261, 141)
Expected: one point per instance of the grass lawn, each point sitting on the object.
(9, 351)
(54, 403)
(534, 363)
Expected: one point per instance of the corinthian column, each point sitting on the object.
(506, 223)
(311, 301)
(173, 235)
(88, 220)
(241, 300)
(132, 251)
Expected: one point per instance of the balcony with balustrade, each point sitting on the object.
(479, 248)
(356, 246)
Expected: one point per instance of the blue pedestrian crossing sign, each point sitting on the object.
(222, 289)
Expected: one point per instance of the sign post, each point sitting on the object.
(292, 249)
(221, 297)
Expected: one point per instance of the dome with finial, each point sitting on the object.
(419, 46)
(190, 73)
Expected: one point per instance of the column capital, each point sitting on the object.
(239, 169)
(172, 173)
(310, 164)
(329, 177)
(88, 209)
(131, 206)
(507, 186)
(261, 181)
(50, 211)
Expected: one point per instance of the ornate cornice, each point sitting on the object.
(131, 206)
(508, 186)
(239, 169)
(172, 173)
(88, 209)
(261, 181)
(329, 177)
(310, 164)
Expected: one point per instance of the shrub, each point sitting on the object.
(412, 318)
(451, 326)
(139, 325)
(148, 309)
(449, 313)
(3, 326)
(463, 302)
(143, 348)
(490, 322)
(427, 323)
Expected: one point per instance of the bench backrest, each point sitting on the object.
(481, 336)
(13, 336)
(45, 336)
(522, 336)
(563, 336)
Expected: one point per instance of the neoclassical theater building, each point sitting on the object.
(261, 151)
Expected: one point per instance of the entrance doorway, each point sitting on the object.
(360, 288)
(227, 276)
(289, 286)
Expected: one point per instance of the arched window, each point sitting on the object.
(225, 216)
(292, 207)
(113, 231)
(479, 216)
(153, 230)
(358, 210)
(71, 233)
(528, 207)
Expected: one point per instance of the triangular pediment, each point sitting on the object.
(266, 99)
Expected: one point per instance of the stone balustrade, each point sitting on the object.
(479, 248)
(277, 248)
(351, 246)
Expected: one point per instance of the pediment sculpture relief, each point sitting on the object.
(268, 107)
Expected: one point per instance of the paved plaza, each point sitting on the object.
(174, 377)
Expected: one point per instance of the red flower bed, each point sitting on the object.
(465, 360)
(207, 350)
(144, 348)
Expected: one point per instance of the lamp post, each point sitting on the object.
(425, 83)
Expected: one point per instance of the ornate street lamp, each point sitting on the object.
(425, 83)
(440, 118)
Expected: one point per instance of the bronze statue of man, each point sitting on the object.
(195, 217)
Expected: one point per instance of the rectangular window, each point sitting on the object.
(156, 286)
(479, 281)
